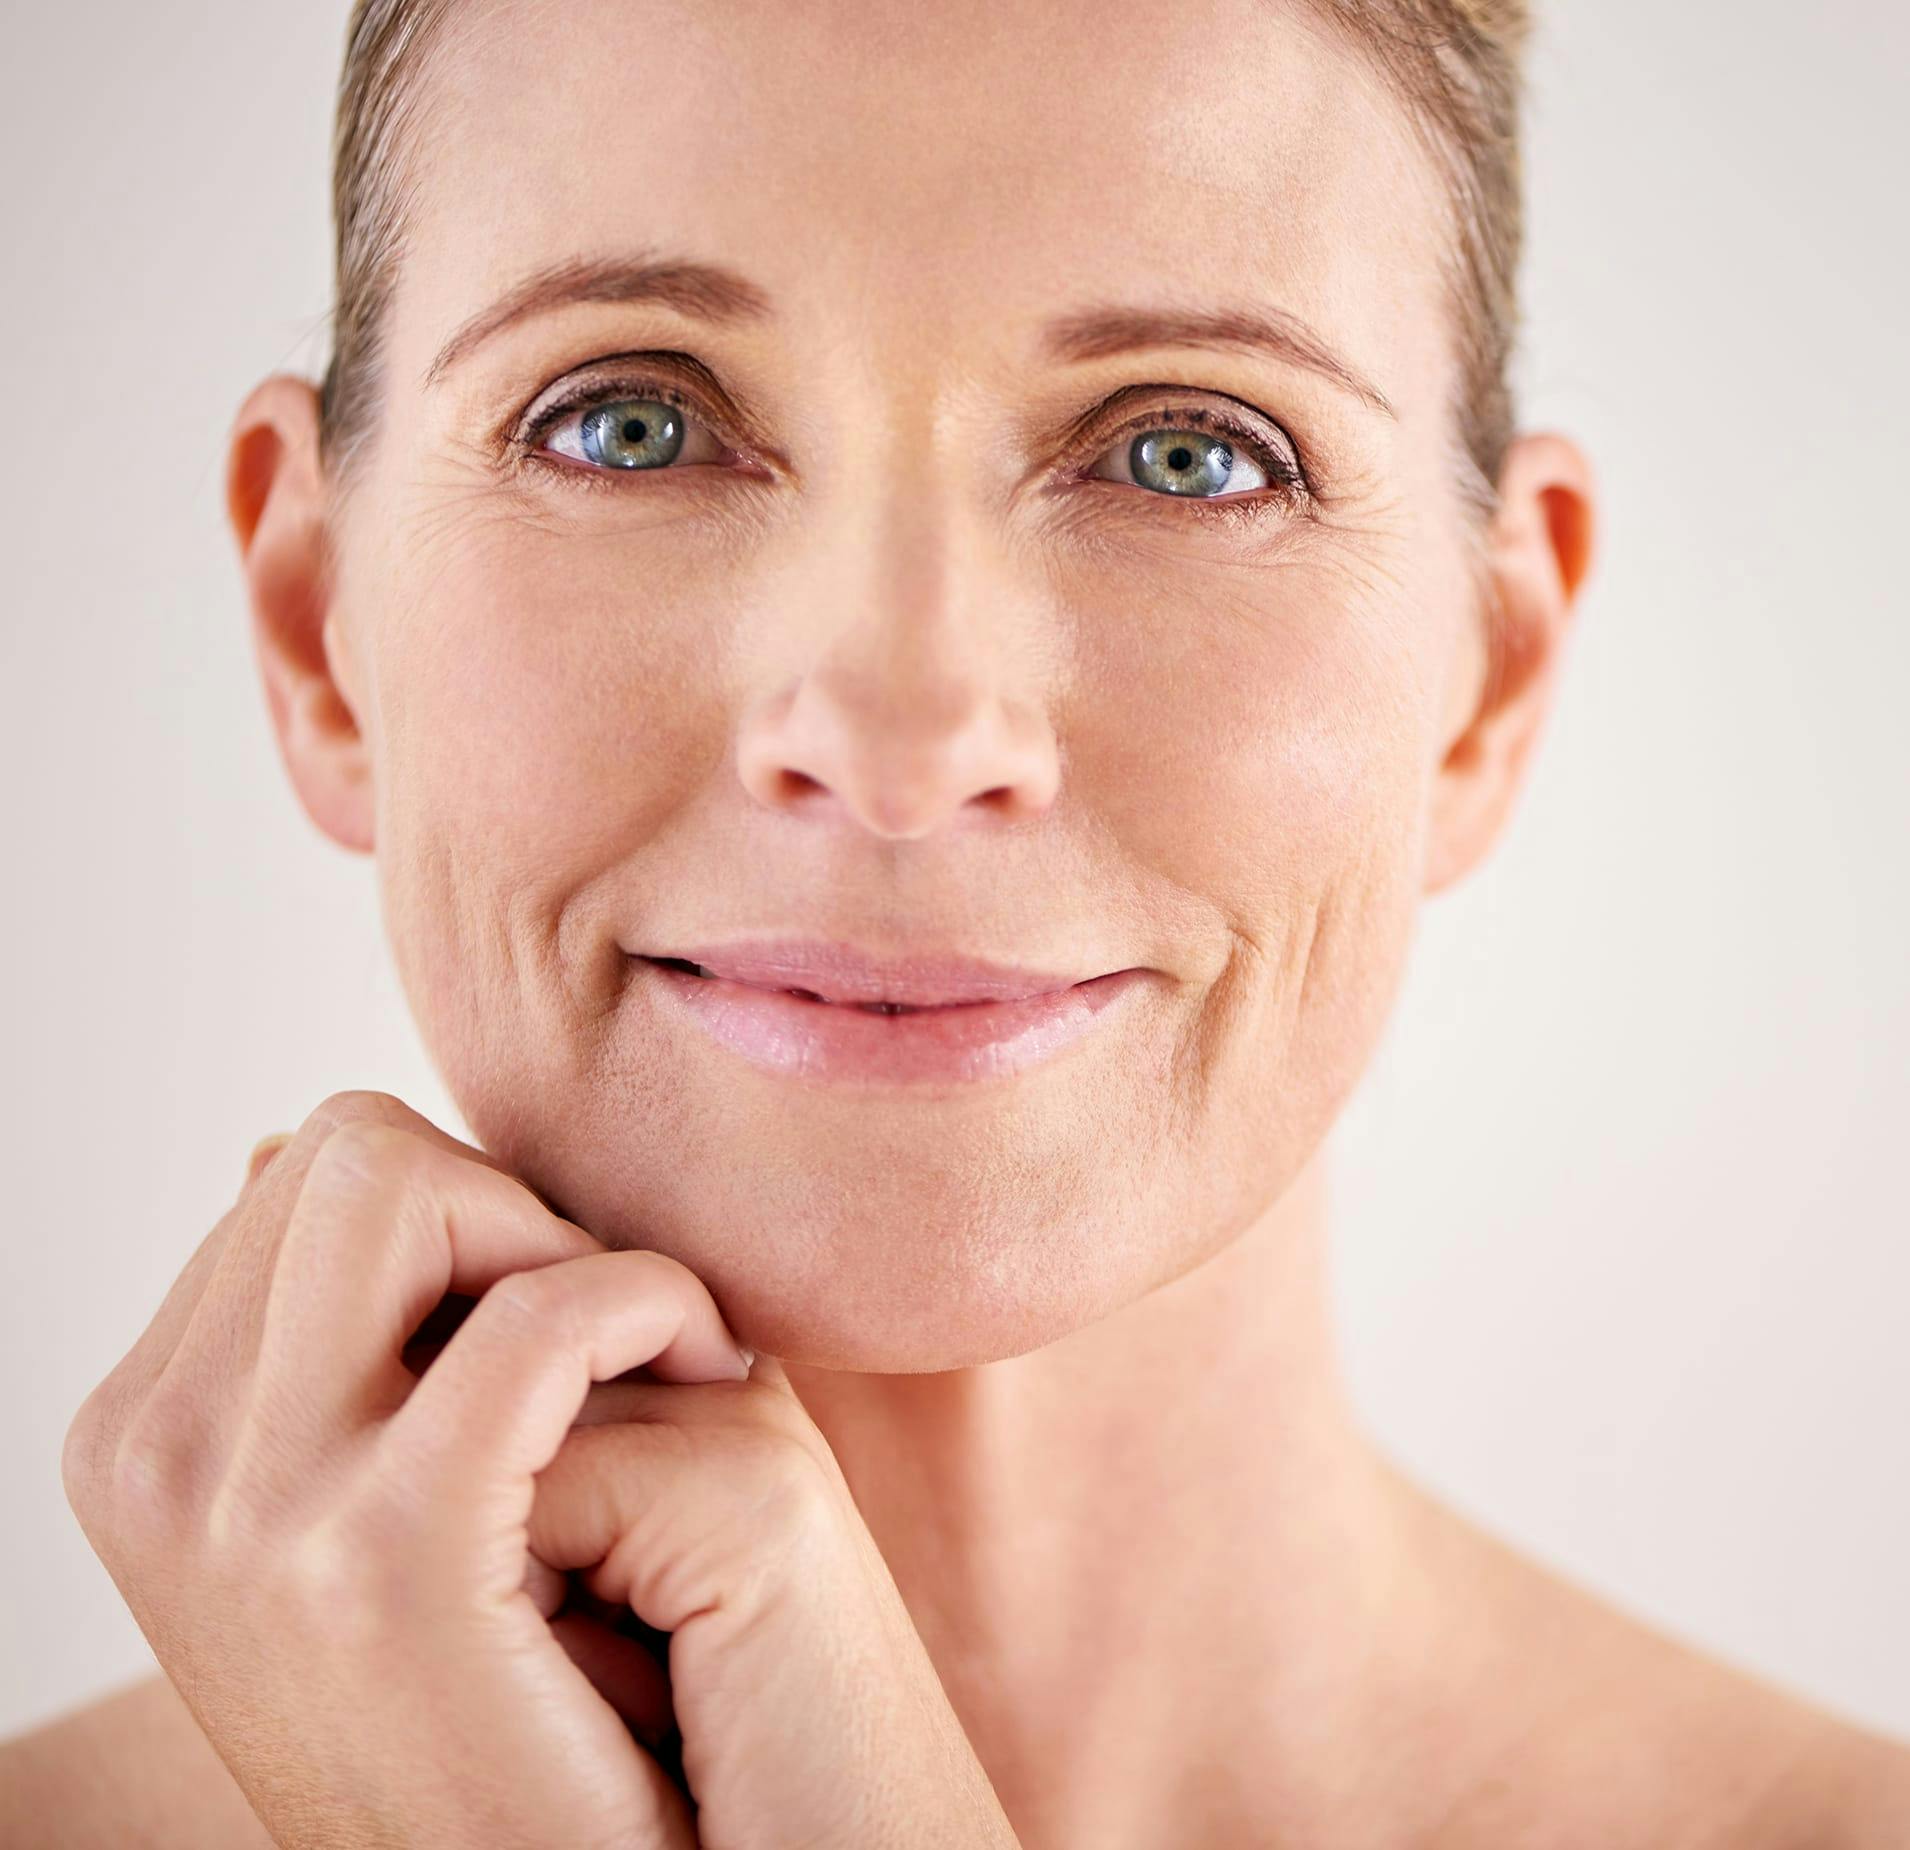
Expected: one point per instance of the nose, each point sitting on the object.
(910, 717)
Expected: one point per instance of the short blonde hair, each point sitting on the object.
(1456, 65)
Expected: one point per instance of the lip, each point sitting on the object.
(1002, 1021)
(835, 972)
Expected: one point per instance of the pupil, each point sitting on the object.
(633, 430)
(1179, 457)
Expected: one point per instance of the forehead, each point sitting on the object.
(922, 172)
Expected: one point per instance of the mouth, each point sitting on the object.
(830, 1013)
(844, 975)
(877, 1006)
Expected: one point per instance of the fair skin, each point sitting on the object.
(1046, 1419)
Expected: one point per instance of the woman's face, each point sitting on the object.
(895, 639)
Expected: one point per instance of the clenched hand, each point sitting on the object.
(356, 1573)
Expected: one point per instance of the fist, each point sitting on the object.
(434, 1579)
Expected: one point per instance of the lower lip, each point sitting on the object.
(830, 1042)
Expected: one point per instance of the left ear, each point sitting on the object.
(1538, 551)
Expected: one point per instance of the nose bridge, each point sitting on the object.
(907, 634)
(910, 706)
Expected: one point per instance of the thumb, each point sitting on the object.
(770, 1372)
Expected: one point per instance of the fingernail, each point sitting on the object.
(749, 1357)
(263, 1152)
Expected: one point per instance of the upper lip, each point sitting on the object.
(846, 973)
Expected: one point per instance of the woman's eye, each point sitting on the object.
(602, 434)
(1197, 463)
(630, 433)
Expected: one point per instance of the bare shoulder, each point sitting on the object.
(133, 1771)
(1731, 1760)
(1737, 1761)
(1848, 1789)
(1619, 1733)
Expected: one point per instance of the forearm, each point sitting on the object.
(131, 1771)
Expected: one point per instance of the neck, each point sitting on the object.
(1156, 1549)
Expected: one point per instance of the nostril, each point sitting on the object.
(793, 783)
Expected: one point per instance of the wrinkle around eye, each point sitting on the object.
(731, 516)
(439, 512)
(1113, 515)
(465, 484)
(1362, 540)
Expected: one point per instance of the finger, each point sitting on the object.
(386, 1224)
(548, 1586)
(498, 1402)
(620, 1403)
(642, 1511)
(623, 1672)
(200, 1354)
(131, 1378)
(143, 1363)
(634, 1400)
(601, 1654)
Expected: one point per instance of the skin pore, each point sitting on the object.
(896, 655)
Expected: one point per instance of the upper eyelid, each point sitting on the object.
(1160, 415)
(532, 427)
(601, 381)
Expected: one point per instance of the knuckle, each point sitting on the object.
(785, 1418)
(235, 1525)
(119, 1407)
(273, 1530)
(525, 1303)
(87, 1436)
(791, 1478)
(784, 1499)
(361, 1150)
(373, 1554)
(358, 1106)
(156, 1468)
(668, 1264)
(318, 1566)
(343, 1563)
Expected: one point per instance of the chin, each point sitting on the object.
(904, 1295)
(901, 1260)
(895, 1242)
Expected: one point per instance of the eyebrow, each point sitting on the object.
(711, 292)
(1094, 333)
(705, 290)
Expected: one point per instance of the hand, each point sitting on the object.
(809, 1711)
(332, 1558)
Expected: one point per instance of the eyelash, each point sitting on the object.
(1289, 487)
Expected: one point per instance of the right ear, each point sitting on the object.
(277, 503)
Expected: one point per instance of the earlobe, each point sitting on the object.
(277, 504)
(1538, 554)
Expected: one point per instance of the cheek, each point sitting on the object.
(1267, 763)
(540, 723)
(1257, 755)
(539, 703)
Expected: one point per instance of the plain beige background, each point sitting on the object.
(1623, 1256)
